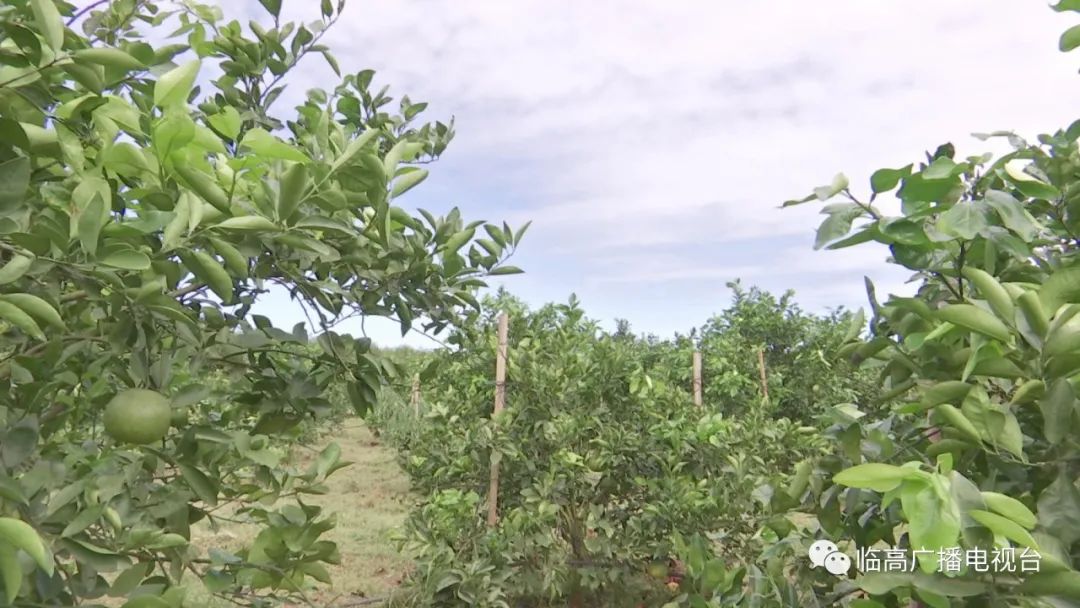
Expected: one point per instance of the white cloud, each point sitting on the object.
(641, 113)
(637, 126)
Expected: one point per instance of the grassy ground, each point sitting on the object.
(370, 497)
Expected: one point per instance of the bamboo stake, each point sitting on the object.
(416, 395)
(761, 370)
(697, 378)
(500, 403)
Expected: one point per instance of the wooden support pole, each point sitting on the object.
(761, 370)
(416, 395)
(500, 403)
(697, 378)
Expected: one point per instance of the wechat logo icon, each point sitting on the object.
(826, 553)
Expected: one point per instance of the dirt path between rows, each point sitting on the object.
(371, 499)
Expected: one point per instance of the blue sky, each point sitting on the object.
(652, 143)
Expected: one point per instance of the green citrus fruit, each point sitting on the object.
(138, 416)
(179, 417)
(658, 570)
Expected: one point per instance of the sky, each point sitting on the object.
(652, 143)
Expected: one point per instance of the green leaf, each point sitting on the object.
(14, 315)
(406, 182)
(91, 220)
(205, 186)
(838, 184)
(167, 541)
(293, 185)
(35, 307)
(933, 518)
(15, 268)
(20, 535)
(1057, 407)
(457, 241)
(316, 222)
(235, 262)
(505, 270)
(880, 583)
(91, 77)
(253, 223)
(202, 485)
(325, 252)
(328, 458)
(1010, 507)
(11, 573)
(272, 6)
(495, 234)
(1070, 39)
(943, 167)
(1004, 527)
(520, 233)
(177, 226)
(108, 57)
(919, 188)
(798, 201)
(1013, 215)
(129, 579)
(49, 22)
(837, 224)
(875, 476)
(96, 556)
(902, 230)
(14, 180)
(490, 247)
(963, 220)
(82, 520)
(975, 319)
(172, 133)
(948, 587)
(1067, 5)
(266, 145)
(393, 157)
(190, 395)
(1006, 433)
(125, 159)
(11, 491)
(331, 61)
(884, 180)
(127, 259)
(174, 86)
(20, 443)
(64, 497)
(1038, 189)
(355, 147)
(1059, 508)
(1063, 586)
(211, 272)
(227, 122)
(316, 571)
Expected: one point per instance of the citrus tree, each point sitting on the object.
(980, 455)
(150, 194)
(797, 351)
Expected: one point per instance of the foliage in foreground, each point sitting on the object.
(141, 217)
(982, 452)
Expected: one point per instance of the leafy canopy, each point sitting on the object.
(151, 191)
